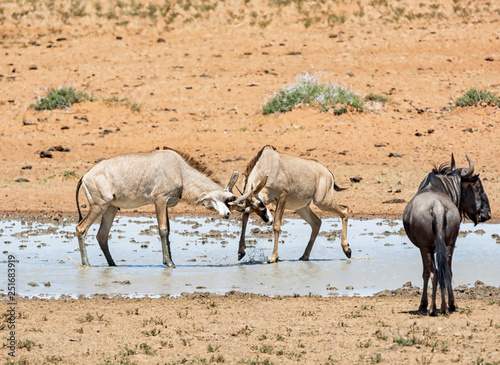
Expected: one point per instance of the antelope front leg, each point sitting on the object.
(242, 246)
(164, 228)
(280, 208)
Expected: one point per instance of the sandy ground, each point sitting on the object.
(196, 82)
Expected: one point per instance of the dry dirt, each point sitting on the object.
(199, 81)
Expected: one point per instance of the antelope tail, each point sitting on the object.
(442, 270)
(77, 203)
(338, 188)
(335, 186)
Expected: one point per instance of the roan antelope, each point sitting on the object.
(432, 221)
(161, 177)
(293, 183)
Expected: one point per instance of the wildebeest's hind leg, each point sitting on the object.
(280, 208)
(451, 297)
(427, 262)
(103, 234)
(164, 228)
(307, 214)
(83, 226)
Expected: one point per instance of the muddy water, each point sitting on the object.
(205, 252)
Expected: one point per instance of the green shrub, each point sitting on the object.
(474, 96)
(60, 99)
(309, 91)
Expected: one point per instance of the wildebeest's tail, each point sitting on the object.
(443, 270)
(77, 203)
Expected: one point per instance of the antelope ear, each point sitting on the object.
(261, 185)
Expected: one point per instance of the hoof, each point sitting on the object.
(170, 264)
(241, 255)
(272, 260)
(348, 253)
(422, 310)
(453, 308)
(303, 258)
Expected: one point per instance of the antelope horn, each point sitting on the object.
(232, 181)
(470, 170)
(242, 197)
(261, 184)
(452, 165)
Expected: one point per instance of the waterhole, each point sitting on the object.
(205, 251)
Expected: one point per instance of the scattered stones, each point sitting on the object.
(394, 201)
(393, 154)
(83, 117)
(59, 149)
(45, 154)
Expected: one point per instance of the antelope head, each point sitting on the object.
(222, 200)
(253, 203)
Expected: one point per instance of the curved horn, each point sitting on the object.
(242, 197)
(261, 184)
(232, 181)
(452, 165)
(470, 170)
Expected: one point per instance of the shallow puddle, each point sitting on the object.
(205, 252)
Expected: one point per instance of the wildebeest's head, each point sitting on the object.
(474, 203)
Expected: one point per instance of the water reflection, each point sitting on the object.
(205, 252)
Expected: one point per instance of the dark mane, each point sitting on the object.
(195, 164)
(446, 180)
(254, 160)
(443, 169)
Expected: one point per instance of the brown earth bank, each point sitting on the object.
(202, 328)
(194, 75)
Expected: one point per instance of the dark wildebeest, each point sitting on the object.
(432, 221)
(162, 178)
(293, 183)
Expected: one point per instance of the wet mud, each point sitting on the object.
(384, 262)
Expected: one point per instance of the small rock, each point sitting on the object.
(356, 179)
(64, 127)
(47, 284)
(350, 74)
(407, 284)
(380, 145)
(33, 67)
(21, 180)
(160, 40)
(33, 284)
(45, 154)
(394, 201)
(393, 154)
(99, 159)
(489, 59)
(59, 149)
(349, 287)
(27, 167)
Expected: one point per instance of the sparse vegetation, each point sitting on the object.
(309, 91)
(61, 99)
(474, 97)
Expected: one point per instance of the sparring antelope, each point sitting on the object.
(161, 177)
(432, 221)
(292, 183)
